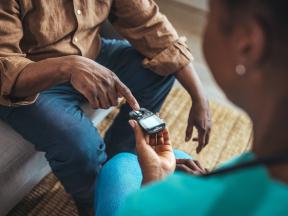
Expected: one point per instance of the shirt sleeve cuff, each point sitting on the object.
(170, 60)
(10, 69)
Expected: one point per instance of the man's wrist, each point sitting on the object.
(200, 98)
(189, 79)
(64, 66)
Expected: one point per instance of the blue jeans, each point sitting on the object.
(119, 177)
(56, 125)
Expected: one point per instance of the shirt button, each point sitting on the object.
(75, 39)
(79, 12)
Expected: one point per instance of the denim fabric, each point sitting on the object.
(56, 125)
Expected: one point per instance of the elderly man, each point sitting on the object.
(52, 59)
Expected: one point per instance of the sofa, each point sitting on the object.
(21, 167)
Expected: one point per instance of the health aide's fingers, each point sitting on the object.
(153, 140)
(166, 136)
(160, 138)
(139, 135)
(125, 92)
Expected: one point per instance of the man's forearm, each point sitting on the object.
(39, 76)
(191, 82)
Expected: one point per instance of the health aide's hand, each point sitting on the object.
(100, 86)
(155, 154)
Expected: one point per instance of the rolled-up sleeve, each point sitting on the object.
(151, 33)
(12, 60)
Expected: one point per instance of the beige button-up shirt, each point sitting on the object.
(32, 30)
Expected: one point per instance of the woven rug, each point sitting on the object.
(231, 135)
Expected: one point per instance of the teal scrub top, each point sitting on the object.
(244, 192)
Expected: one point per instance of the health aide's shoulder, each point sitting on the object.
(178, 194)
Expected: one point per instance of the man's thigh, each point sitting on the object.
(126, 62)
(46, 116)
(55, 124)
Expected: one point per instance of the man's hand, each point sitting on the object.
(100, 86)
(190, 166)
(199, 116)
(155, 154)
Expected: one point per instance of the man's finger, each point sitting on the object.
(201, 139)
(193, 165)
(207, 138)
(96, 104)
(92, 99)
(113, 98)
(104, 102)
(125, 92)
(189, 130)
(199, 165)
(186, 169)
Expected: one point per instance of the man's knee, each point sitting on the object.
(80, 150)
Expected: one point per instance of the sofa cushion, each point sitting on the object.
(21, 167)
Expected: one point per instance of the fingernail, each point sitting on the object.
(132, 123)
(137, 107)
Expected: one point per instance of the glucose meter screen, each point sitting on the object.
(150, 122)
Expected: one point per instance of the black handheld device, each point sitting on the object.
(150, 122)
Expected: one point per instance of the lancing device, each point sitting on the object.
(148, 121)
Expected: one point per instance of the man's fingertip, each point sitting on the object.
(136, 106)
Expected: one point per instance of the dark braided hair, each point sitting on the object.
(272, 15)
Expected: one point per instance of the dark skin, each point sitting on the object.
(258, 88)
(192, 167)
(261, 92)
(199, 115)
(101, 87)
